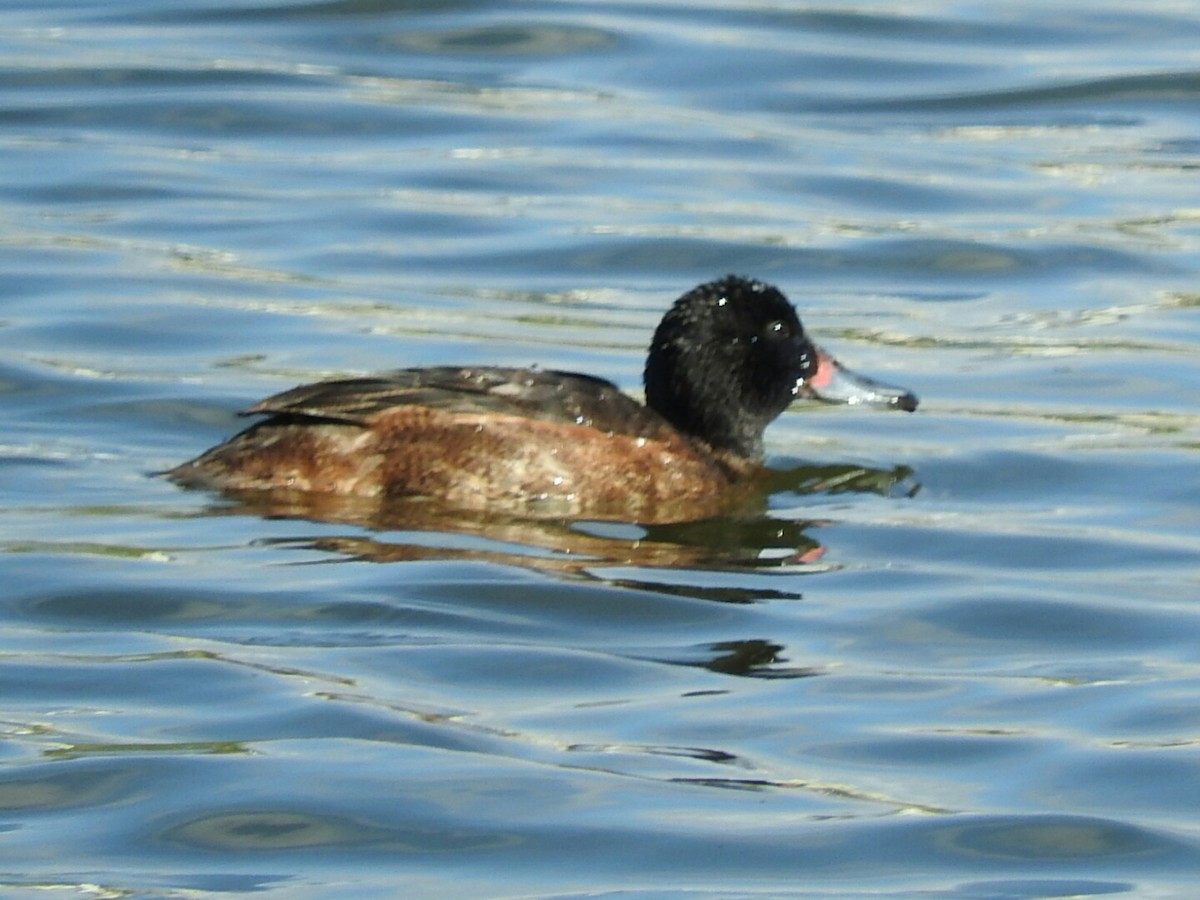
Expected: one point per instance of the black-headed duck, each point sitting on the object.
(728, 357)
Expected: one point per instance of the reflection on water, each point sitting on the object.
(748, 537)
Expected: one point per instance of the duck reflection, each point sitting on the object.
(749, 659)
(749, 537)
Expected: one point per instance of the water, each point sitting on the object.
(956, 655)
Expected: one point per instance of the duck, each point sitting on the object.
(728, 357)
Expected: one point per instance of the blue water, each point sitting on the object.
(956, 654)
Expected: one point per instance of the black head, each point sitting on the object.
(727, 359)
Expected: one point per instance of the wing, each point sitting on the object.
(564, 397)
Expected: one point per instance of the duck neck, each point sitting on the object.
(711, 424)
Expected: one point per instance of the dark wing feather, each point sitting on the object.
(564, 397)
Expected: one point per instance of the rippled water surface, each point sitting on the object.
(956, 653)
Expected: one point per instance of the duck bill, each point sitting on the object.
(834, 383)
